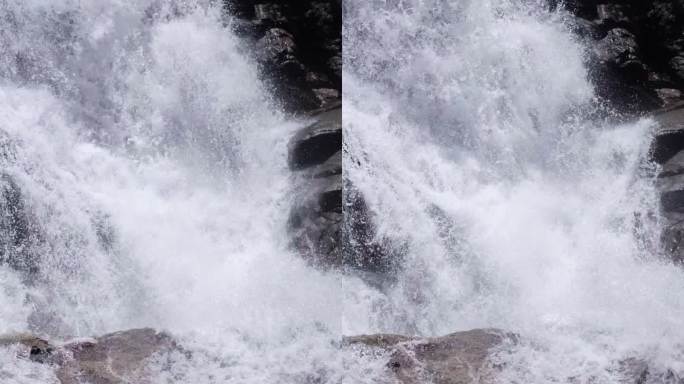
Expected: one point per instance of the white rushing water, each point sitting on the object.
(148, 166)
(467, 130)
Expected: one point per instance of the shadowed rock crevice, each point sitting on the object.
(298, 47)
(635, 50)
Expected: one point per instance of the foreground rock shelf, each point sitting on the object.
(458, 358)
(116, 358)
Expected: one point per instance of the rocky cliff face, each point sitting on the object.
(298, 47)
(636, 50)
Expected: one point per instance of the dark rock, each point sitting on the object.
(298, 47)
(668, 149)
(458, 358)
(669, 138)
(31, 347)
(613, 15)
(331, 196)
(326, 96)
(316, 216)
(584, 28)
(669, 96)
(677, 65)
(635, 50)
(619, 74)
(618, 47)
(332, 166)
(278, 50)
(673, 167)
(318, 142)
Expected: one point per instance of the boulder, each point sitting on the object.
(298, 47)
(677, 65)
(117, 358)
(619, 74)
(613, 15)
(669, 96)
(31, 346)
(620, 49)
(467, 358)
(458, 358)
(315, 156)
(668, 149)
(318, 142)
(669, 137)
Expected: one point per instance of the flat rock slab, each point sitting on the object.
(458, 358)
(116, 358)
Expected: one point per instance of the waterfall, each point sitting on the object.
(470, 132)
(144, 182)
(147, 165)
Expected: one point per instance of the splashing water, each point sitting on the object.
(466, 131)
(147, 168)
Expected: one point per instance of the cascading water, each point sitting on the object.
(467, 132)
(145, 184)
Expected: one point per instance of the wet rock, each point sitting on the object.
(298, 47)
(669, 138)
(612, 15)
(31, 346)
(117, 358)
(458, 358)
(620, 49)
(16, 229)
(316, 216)
(677, 65)
(668, 149)
(318, 142)
(669, 96)
(636, 46)
(619, 75)
(469, 357)
(277, 53)
(331, 167)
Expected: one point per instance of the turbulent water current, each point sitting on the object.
(143, 166)
(471, 129)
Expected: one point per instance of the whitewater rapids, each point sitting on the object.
(467, 128)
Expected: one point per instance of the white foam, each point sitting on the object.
(468, 120)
